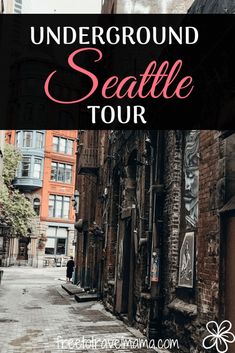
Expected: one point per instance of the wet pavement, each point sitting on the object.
(37, 315)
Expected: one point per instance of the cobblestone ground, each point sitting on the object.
(36, 314)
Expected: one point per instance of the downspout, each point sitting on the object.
(156, 190)
(150, 228)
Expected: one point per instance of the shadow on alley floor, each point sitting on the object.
(37, 315)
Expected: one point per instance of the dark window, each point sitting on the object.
(36, 206)
(60, 249)
(25, 172)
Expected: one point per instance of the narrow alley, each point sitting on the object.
(37, 315)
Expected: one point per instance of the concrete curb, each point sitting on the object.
(71, 289)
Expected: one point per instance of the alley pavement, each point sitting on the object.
(37, 315)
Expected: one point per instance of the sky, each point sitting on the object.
(62, 6)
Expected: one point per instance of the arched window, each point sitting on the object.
(36, 206)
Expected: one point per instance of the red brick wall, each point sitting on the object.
(208, 226)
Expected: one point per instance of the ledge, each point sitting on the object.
(71, 289)
(183, 307)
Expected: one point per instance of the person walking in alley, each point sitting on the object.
(70, 267)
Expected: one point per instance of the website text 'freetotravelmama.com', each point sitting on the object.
(94, 343)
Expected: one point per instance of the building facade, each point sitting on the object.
(166, 220)
(157, 239)
(91, 162)
(46, 175)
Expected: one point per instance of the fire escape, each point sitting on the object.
(87, 160)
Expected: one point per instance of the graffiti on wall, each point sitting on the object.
(186, 267)
(191, 173)
(190, 194)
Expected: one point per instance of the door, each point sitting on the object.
(126, 266)
(123, 267)
(23, 248)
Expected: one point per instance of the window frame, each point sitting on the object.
(68, 147)
(25, 132)
(61, 171)
(29, 167)
(54, 211)
(57, 238)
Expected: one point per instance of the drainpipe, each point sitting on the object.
(76, 200)
(149, 239)
(156, 190)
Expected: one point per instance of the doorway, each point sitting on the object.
(23, 248)
(126, 266)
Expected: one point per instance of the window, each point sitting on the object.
(56, 241)
(60, 249)
(69, 147)
(27, 139)
(68, 174)
(61, 169)
(54, 171)
(39, 140)
(17, 139)
(62, 145)
(36, 206)
(25, 171)
(37, 168)
(59, 206)
(56, 144)
(50, 246)
(61, 172)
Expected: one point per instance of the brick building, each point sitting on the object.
(167, 218)
(46, 175)
(188, 307)
(92, 156)
(159, 229)
(47, 172)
